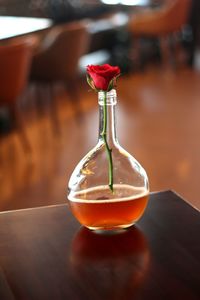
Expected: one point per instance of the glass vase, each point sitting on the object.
(95, 201)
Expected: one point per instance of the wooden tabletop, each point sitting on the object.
(13, 26)
(45, 254)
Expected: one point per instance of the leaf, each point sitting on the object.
(110, 86)
(113, 83)
(90, 82)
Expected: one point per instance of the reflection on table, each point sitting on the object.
(112, 266)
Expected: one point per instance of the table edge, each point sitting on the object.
(65, 204)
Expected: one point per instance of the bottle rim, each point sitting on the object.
(111, 97)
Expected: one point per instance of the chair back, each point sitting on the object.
(175, 14)
(60, 52)
(15, 59)
(170, 18)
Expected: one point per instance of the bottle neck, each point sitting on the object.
(107, 123)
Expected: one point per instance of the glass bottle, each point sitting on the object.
(91, 200)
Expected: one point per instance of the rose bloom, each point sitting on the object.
(102, 75)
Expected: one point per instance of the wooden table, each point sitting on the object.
(12, 26)
(45, 254)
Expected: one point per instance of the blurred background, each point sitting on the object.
(48, 116)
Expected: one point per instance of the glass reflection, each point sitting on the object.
(112, 266)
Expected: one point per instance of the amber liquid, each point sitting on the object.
(98, 208)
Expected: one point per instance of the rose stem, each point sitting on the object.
(108, 150)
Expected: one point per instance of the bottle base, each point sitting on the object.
(110, 228)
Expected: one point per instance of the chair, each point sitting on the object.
(15, 60)
(163, 23)
(58, 56)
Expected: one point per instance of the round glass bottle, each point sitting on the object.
(92, 201)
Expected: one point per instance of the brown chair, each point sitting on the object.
(163, 23)
(58, 56)
(15, 60)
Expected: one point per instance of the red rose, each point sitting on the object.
(101, 76)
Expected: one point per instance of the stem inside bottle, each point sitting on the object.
(107, 101)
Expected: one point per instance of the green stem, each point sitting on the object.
(108, 150)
